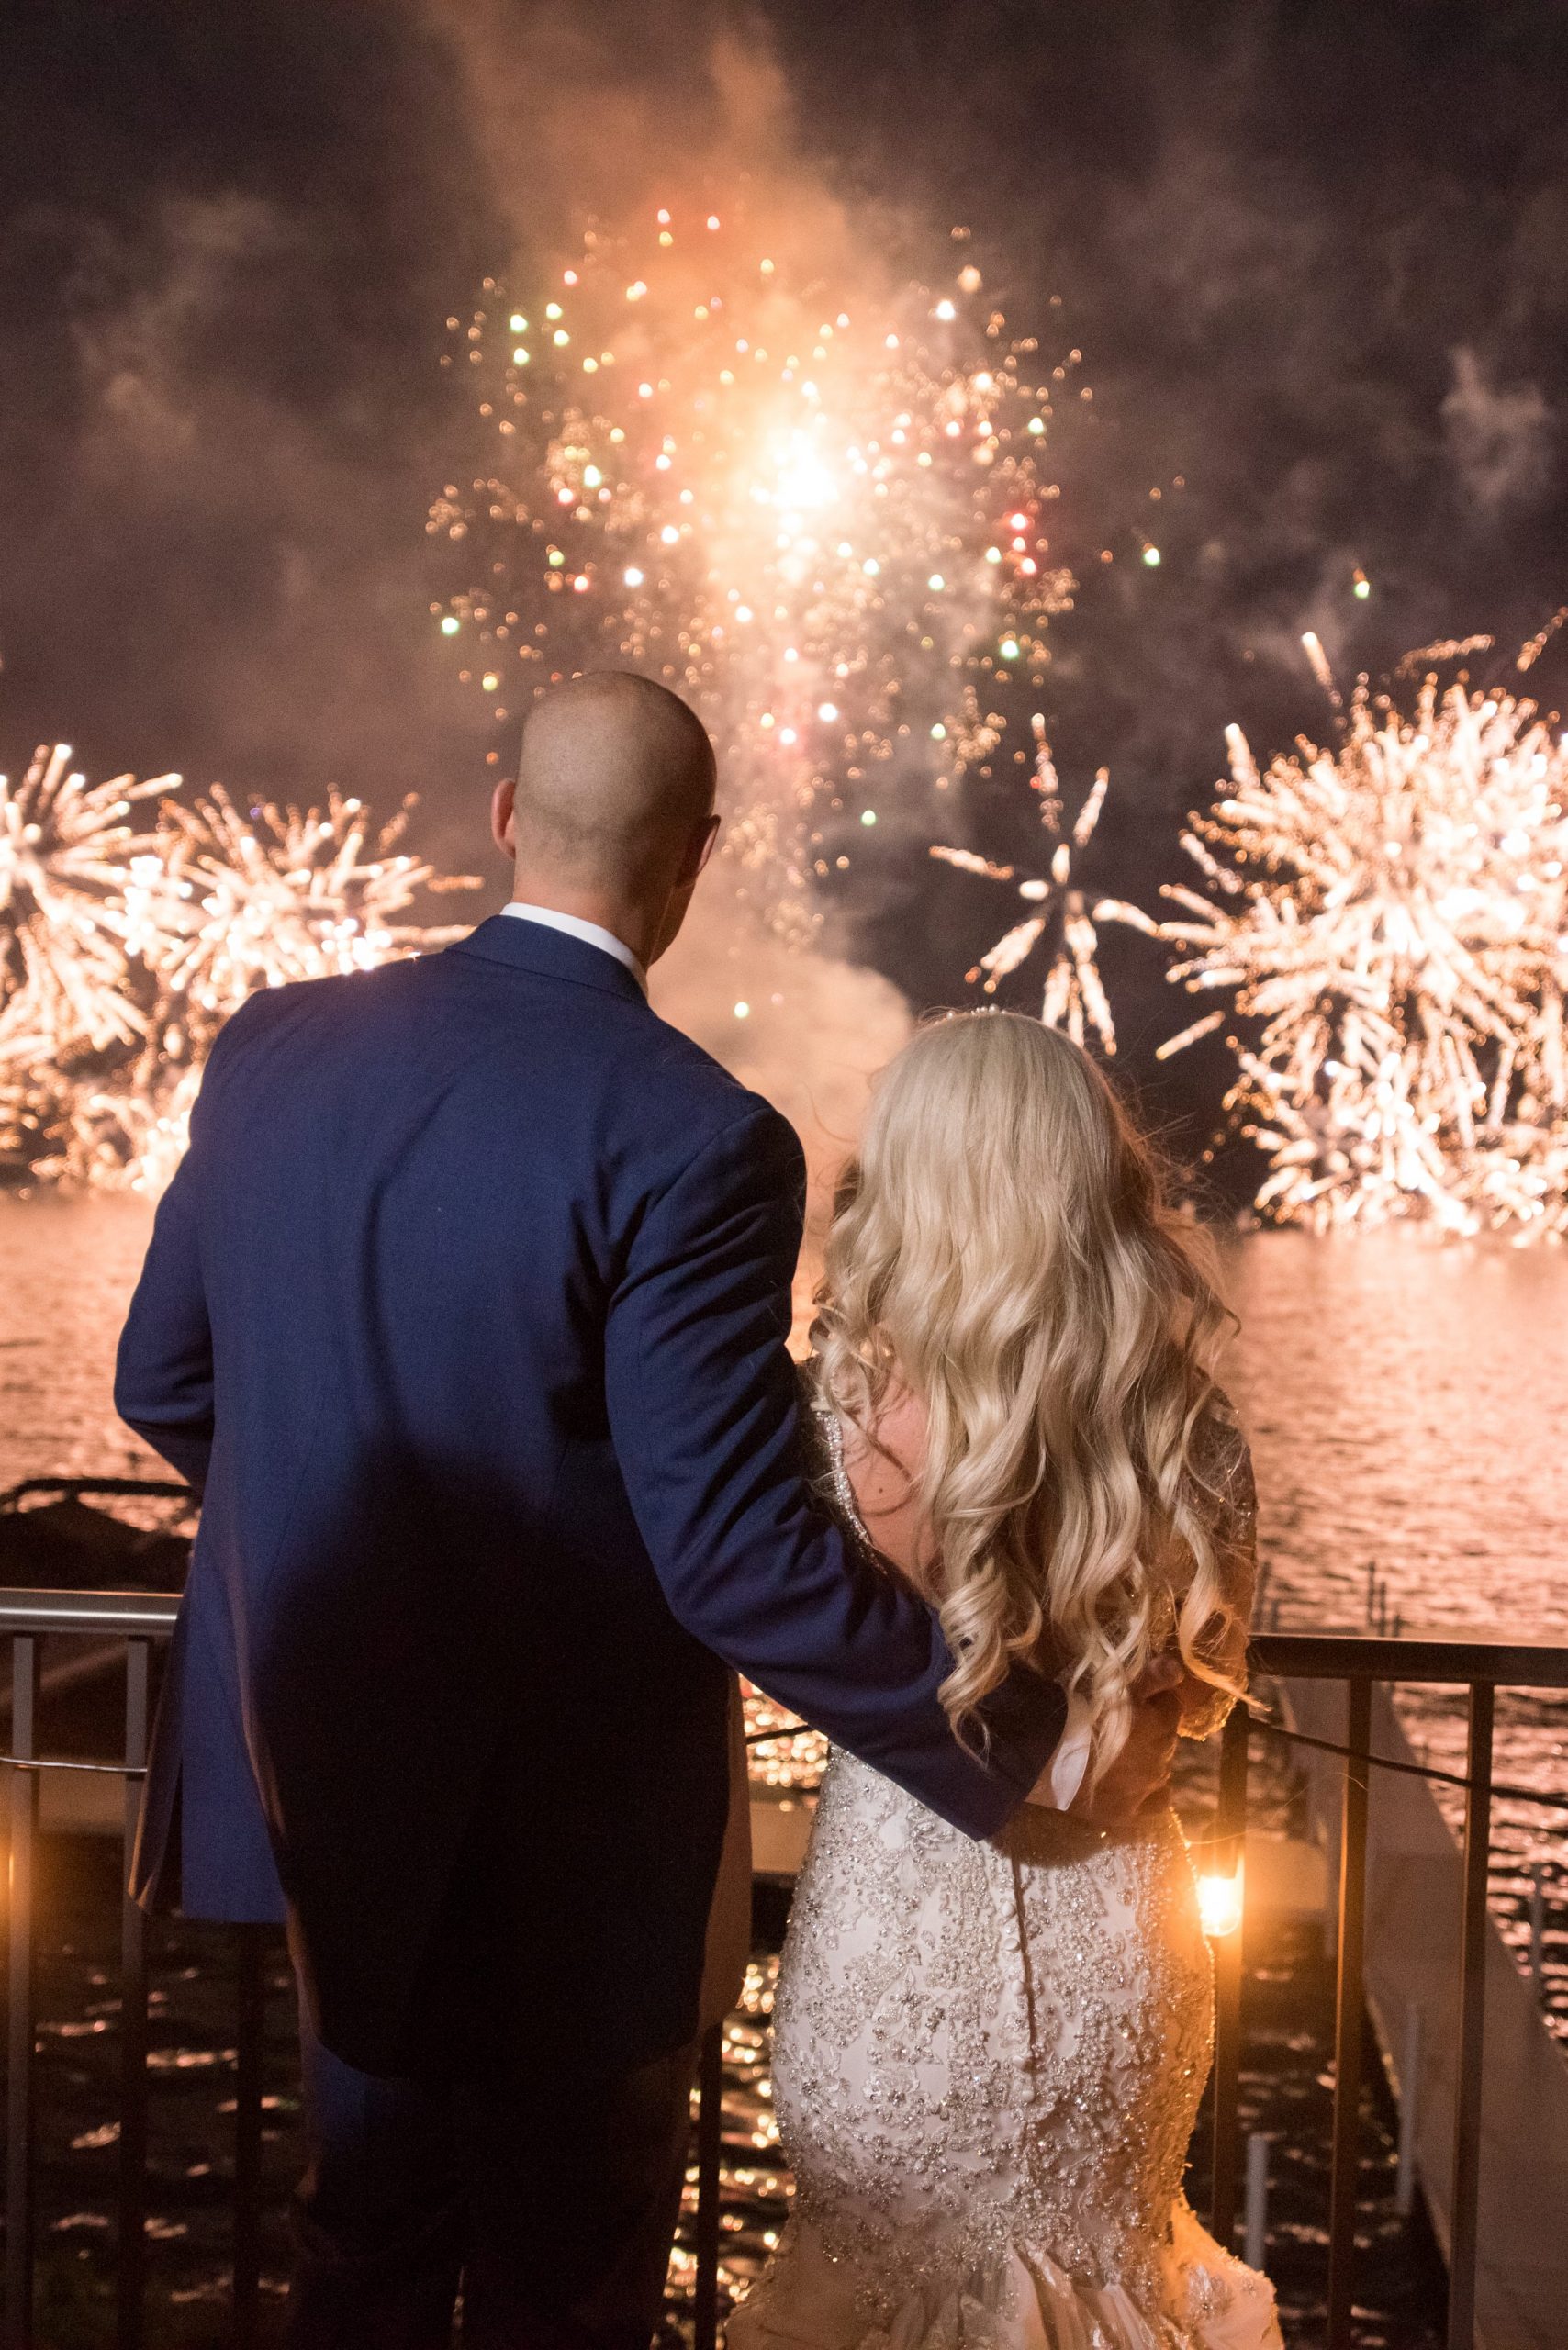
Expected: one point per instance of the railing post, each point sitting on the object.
(1471, 2021)
(1409, 2113)
(1347, 2021)
(249, 2042)
(21, 2034)
(710, 2142)
(132, 2199)
(1255, 2234)
(1229, 1844)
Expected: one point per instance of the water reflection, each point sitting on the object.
(1405, 1403)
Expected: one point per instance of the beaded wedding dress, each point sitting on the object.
(988, 2059)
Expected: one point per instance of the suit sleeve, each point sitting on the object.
(164, 1374)
(703, 1410)
(163, 1382)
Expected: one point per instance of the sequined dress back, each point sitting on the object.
(988, 2059)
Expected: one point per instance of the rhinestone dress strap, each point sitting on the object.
(838, 1476)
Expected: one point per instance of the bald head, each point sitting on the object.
(613, 802)
(615, 774)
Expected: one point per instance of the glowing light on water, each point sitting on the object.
(804, 509)
(1221, 1903)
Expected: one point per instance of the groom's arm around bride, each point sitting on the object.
(469, 1308)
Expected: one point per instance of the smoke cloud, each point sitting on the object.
(1500, 440)
(807, 1031)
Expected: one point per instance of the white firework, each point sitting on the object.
(258, 900)
(1390, 920)
(129, 1135)
(69, 923)
(123, 951)
(1074, 996)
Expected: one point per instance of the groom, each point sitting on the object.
(466, 1311)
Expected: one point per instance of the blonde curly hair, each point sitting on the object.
(1001, 1247)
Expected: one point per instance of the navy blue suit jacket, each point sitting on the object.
(467, 1311)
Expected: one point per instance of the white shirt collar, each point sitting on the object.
(590, 933)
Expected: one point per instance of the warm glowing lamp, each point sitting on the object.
(1220, 1902)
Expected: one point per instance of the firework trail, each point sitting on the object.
(1390, 918)
(1075, 997)
(818, 517)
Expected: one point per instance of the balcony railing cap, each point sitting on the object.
(129, 1614)
(1456, 1658)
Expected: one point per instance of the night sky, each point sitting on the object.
(1314, 256)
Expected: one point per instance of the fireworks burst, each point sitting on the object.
(1393, 914)
(127, 1134)
(123, 951)
(821, 519)
(1075, 997)
(279, 896)
(70, 914)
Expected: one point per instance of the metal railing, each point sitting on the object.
(140, 1619)
(1481, 1668)
(29, 1617)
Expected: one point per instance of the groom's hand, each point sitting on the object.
(1138, 1780)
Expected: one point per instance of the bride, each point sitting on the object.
(989, 2057)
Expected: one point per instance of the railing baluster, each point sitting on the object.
(132, 2200)
(20, 2031)
(1351, 2000)
(251, 1943)
(710, 2142)
(1229, 1844)
(1471, 2021)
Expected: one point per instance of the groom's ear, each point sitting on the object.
(503, 817)
(707, 841)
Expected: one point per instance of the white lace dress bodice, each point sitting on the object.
(988, 2058)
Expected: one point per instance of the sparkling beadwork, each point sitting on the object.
(988, 2059)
